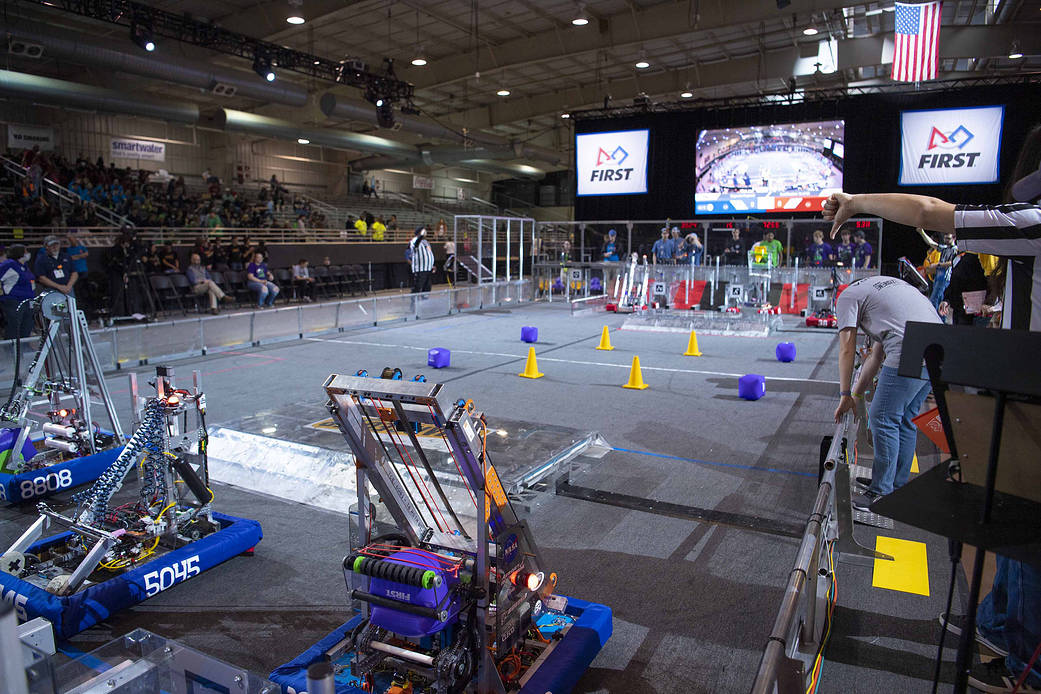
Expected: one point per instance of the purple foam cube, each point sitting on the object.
(751, 386)
(439, 357)
(785, 351)
(595, 284)
(529, 334)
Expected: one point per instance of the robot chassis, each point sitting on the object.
(170, 443)
(448, 606)
(63, 372)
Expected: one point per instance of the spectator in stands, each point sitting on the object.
(862, 250)
(377, 186)
(662, 251)
(326, 261)
(449, 266)
(610, 252)
(53, 268)
(422, 261)
(77, 253)
(365, 189)
(258, 279)
(392, 223)
(819, 253)
(361, 227)
(442, 229)
(16, 286)
(261, 248)
(735, 251)
(302, 280)
(199, 277)
(369, 219)
(940, 269)
(119, 261)
(168, 259)
(378, 229)
(152, 260)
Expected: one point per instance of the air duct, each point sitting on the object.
(162, 66)
(45, 90)
(334, 106)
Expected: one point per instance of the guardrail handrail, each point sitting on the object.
(65, 195)
(778, 671)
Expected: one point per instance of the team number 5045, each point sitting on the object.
(168, 576)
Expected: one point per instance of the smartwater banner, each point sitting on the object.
(612, 163)
(950, 146)
(137, 149)
(27, 137)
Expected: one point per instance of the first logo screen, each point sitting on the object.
(612, 163)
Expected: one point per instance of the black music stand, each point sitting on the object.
(1005, 363)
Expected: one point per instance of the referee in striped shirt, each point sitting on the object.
(422, 261)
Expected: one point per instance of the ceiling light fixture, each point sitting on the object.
(686, 94)
(565, 115)
(810, 31)
(1015, 53)
(581, 18)
(642, 64)
(295, 16)
(302, 141)
(503, 92)
(419, 60)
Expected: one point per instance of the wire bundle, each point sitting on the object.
(148, 439)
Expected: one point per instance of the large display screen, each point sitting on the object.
(769, 168)
(612, 163)
(950, 146)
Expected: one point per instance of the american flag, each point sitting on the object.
(916, 48)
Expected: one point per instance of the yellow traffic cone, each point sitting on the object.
(605, 340)
(692, 346)
(531, 368)
(635, 377)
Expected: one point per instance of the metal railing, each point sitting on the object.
(133, 345)
(798, 628)
(106, 235)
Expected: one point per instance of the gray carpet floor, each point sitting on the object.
(694, 593)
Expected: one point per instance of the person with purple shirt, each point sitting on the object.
(819, 254)
(862, 250)
(258, 279)
(844, 251)
(16, 288)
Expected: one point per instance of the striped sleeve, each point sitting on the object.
(999, 230)
(8, 281)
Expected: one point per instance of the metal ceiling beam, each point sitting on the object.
(770, 71)
(624, 28)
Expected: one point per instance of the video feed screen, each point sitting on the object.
(792, 167)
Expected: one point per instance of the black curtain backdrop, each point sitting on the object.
(872, 149)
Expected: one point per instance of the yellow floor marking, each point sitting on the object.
(909, 570)
(914, 463)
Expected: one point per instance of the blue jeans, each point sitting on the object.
(896, 402)
(266, 292)
(943, 278)
(1010, 615)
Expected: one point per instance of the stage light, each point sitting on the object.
(503, 92)
(384, 114)
(302, 141)
(810, 31)
(142, 36)
(262, 66)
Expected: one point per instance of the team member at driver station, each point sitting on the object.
(1010, 615)
(677, 243)
(53, 268)
(767, 250)
(735, 252)
(844, 251)
(663, 251)
(819, 254)
(862, 250)
(610, 253)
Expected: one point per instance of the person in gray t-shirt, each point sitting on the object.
(881, 307)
